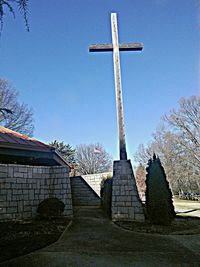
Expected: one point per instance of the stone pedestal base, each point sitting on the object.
(126, 204)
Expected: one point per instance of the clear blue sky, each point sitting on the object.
(72, 91)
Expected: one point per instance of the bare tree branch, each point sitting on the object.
(178, 145)
(21, 118)
(22, 5)
(92, 158)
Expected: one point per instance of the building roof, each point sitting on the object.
(12, 142)
(12, 138)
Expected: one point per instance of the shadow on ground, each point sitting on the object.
(94, 241)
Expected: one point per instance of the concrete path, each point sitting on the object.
(93, 241)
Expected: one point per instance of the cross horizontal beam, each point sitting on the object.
(122, 47)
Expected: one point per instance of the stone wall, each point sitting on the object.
(82, 193)
(94, 180)
(126, 204)
(22, 188)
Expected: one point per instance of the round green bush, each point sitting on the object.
(51, 207)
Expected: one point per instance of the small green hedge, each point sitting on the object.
(106, 195)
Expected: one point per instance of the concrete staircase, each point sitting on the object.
(83, 194)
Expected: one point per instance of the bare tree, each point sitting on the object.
(177, 144)
(144, 153)
(164, 145)
(20, 117)
(186, 123)
(140, 176)
(92, 158)
(9, 4)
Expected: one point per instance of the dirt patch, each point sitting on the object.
(21, 237)
(180, 226)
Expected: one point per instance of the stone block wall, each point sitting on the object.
(23, 187)
(82, 193)
(126, 204)
(94, 180)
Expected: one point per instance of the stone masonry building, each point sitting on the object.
(30, 171)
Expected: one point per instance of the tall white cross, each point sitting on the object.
(115, 47)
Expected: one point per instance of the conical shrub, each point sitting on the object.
(159, 202)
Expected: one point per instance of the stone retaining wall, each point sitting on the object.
(22, 188)
(94, 180)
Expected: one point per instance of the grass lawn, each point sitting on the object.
(187, 207)
(22, 237)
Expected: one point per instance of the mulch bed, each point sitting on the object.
(21, 237)
(180, 226)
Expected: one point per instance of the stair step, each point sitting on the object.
(83, 194)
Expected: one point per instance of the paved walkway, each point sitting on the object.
(93, 241)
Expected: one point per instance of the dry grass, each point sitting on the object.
(187, 207)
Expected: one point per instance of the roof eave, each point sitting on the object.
(62, 161)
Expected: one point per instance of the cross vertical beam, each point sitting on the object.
(118, 88)
(115, 47)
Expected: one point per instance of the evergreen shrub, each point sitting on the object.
(159, 204)
(106, 195)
